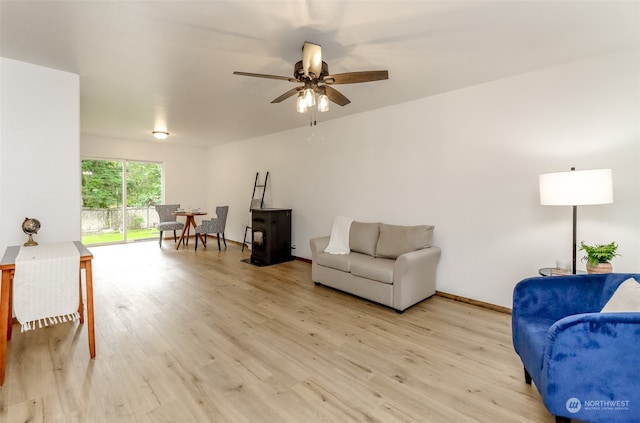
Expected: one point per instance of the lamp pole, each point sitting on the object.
(575, 244)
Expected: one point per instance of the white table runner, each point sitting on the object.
(45, 284)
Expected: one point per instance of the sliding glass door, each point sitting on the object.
(118, 199)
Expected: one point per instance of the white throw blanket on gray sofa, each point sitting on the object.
(339, 239)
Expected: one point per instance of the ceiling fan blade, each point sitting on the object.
(286, 95)
(311, 59)
(262, 75)
(354, 77)
(335, 96)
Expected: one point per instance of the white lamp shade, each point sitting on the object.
(575, 188)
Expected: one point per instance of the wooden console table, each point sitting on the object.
(8, 266)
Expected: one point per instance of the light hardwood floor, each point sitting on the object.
(199, 336)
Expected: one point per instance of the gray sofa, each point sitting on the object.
(388, 264)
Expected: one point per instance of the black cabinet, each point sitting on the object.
(270, 236)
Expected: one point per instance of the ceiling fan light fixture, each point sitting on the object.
(315, 91)
(301, 103)
(309, 97)
(323, 103)
(160, 135)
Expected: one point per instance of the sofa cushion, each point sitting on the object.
(396, 240)
(334, 261)
(377, 269)
(363, 237)
(625, 299)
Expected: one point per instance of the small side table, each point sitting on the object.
(554, 271)
(191, 221)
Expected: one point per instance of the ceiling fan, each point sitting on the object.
(314, 74)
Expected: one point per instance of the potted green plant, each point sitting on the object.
(599, 256)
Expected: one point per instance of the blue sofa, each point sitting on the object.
(585, 364)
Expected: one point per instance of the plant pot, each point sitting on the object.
(600, 268)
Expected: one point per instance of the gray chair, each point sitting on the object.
(214, 226)
(168, 221)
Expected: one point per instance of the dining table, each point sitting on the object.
(191, 221)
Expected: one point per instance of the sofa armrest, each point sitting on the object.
(593, 357)
(414, 277)
(318, 245)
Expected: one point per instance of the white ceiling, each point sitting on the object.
(151, 64)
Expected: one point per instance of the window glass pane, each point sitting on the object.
(102, 201)
(144, 191)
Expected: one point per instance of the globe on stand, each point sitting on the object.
(30, 226)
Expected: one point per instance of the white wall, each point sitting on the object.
(184, 167)
(466, 161)
(39, 152)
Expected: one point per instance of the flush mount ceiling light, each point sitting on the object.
(160, 135)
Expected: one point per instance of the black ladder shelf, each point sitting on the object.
(256, 202)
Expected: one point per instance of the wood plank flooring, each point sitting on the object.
(199, 336)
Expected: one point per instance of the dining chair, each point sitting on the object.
(214, 226)
(168, 221)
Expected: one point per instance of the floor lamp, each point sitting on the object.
(576, 188)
